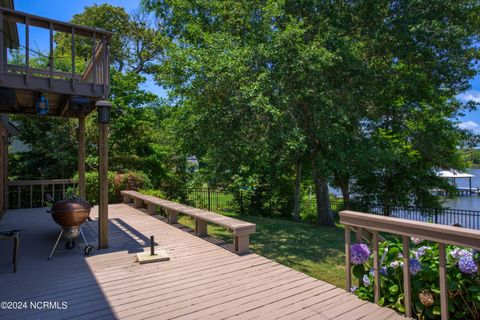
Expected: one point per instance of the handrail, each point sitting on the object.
(428, 231)
(92, 82)
(39, 182)
(438, 233)
(43, 22)
(36, 191)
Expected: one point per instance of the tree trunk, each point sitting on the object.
(345, 193)
(297, 200)
(324, 214)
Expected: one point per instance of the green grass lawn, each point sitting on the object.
(316, 251)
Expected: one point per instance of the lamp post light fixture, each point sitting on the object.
(103, 109)
(41, 105)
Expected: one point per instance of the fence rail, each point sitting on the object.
(32, 193)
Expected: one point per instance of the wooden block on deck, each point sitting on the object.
(145, 257)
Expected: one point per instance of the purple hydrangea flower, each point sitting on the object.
(359, 253)
(467, 265)
(366, 281)
(396, 264)
(400, 255)
(421, 251)
(353, 289)
(457, 253)
(383, 271)
(415, 266)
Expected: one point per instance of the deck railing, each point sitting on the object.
(92, 81)
(441, 234)
(33, 193)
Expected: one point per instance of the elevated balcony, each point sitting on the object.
(35, 62)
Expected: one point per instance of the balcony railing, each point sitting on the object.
(92, 79)
(441, 234)
(33, 193)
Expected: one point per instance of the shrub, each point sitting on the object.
(463, 279)
(117, 182)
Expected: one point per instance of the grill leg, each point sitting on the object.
(83, 236)
(56, 244)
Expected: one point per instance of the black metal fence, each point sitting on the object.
(245, 202)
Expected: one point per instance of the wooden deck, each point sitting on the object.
(203, 279)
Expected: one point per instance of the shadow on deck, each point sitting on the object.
(202, 280)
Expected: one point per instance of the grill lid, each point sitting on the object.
(70, 205)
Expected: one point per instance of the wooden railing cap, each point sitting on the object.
(424, 230)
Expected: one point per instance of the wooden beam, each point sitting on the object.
(103, 186)
(81, 156)
(62, 108)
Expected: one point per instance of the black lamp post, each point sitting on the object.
(103, 109)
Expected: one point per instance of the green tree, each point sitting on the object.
(367, 87)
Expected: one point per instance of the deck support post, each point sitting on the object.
(81, 156)
(103, 185)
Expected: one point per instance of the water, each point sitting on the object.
(462, 202)
(470, 202)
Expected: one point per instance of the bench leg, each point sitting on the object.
(172, 216)
(138, 203)
(200, 228)
(152, 209)
(127, 199)
(241, 243)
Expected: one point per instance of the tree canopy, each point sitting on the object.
(272, 96)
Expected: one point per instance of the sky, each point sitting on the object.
(63, 10)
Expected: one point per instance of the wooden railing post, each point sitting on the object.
(443, 282)
(51, 55)
(3, 49)
(348, 265)
(407, 289)
(94, 62)
(27, 50)
(376, 266)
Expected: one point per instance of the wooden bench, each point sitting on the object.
(241, 230)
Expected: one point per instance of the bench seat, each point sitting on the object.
(241, 230)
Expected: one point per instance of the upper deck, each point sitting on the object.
(56, 59)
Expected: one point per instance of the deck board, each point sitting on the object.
(202, 280)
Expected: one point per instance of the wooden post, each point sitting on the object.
(407, 289)
(103, 185)
(81, 156)
(376, 266)
(443, 282)
(348, 265)
(3, 47)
